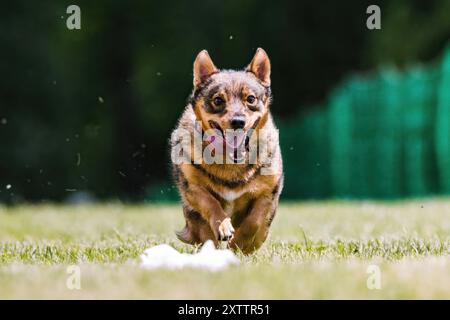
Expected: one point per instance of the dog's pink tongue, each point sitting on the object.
(217, 141)
(235, 138)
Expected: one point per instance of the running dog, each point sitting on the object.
(234, 199)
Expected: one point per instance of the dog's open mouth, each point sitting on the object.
(235, 141)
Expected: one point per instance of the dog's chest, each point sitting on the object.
(231, 197)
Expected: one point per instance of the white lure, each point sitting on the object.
(209, 258)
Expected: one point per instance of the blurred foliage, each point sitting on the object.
(415, 31)
(92, 109)
(384, 135)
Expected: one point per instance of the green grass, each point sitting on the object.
(316, 250)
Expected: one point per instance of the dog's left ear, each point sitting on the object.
(260, 66)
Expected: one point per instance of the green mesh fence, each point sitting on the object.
(442, 136)
(386, 135)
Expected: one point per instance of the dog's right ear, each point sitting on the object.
(260, 66)
(203, 68)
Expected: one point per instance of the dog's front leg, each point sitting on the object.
(211, 211)
(253, 230)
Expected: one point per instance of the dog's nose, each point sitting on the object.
(237, 123)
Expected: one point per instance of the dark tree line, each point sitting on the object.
(92, 109)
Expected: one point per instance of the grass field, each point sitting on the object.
(316, 250)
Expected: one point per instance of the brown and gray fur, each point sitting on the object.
(233, 202)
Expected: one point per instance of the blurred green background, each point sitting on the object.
(86, 114)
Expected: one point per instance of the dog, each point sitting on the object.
(234, 200)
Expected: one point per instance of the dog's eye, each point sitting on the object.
(218, 101)
(251, 99)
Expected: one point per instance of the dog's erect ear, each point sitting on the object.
(260, 66)
(203, 68)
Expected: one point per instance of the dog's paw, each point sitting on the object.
(226, 230)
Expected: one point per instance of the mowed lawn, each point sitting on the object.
(316, 250)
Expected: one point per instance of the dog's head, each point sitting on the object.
(227, 100)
